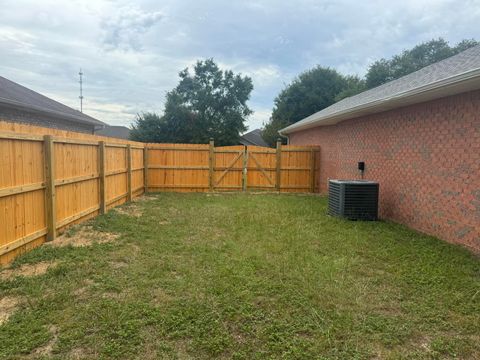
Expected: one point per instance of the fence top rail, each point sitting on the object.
(60, 140)
(175, 148)
(16, 136)
(116, 145)
(177, 145)
(300, 147)
(262, 151)
(24, 129)
(232, 147)
(94, 143)
(228, 151)
(74, 141)
(301, 150)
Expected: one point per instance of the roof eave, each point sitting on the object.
(30, 108)
(457, 84)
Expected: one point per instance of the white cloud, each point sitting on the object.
(19, 41)
(124, 28)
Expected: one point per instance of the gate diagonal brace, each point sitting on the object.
(240, 154)
(261, 169)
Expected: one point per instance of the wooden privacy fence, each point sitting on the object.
(184, 167)
(50, 182)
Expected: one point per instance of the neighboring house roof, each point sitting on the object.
(19, 97)
(454, 75)
(120, 132)
(253, 137)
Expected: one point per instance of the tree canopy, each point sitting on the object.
(320, 87)
(426, 53)
(149, 127)
(208, 103)
(212, 103)
(310, 92)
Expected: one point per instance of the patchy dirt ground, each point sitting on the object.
(134, 208)
(131, 209)
(46, 350)
(83, 236)
(27, 270)
(79, 353)
(8, 305)
(144, 198)
(83, 289)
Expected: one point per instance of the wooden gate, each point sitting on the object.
(228, 168)
(287, 168)
(261, 168)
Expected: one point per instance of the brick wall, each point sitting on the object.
(16, 115)
(426, 158)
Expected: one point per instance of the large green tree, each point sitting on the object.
(426, 53)
(208, 103)
(320, 87)
(310, 92)
(148, 127)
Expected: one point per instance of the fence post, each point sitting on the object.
(145, 168)
(211, 164)
(50, 202)
(102, 176)
(279, 165)
(245, 165)
(312, 170)
(129, 172)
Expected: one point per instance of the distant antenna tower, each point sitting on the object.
(81, 90)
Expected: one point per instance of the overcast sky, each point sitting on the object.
(131, 51)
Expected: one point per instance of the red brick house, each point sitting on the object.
(419, 137)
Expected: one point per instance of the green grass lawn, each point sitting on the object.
(245, 276)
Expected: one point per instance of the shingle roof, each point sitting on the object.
(119, 132)
(16, 95)
(461, 67)
(253, 137)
